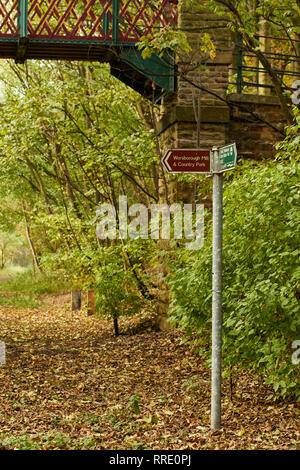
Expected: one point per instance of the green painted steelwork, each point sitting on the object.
(67, 41)
(157, 69)
(124, 56)
(115, 21)
(105, 23)
(23, 18)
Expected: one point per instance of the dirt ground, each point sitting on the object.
(68, 383)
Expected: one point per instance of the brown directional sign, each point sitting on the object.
(187, 161)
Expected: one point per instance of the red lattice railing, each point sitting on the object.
(106, 20)
(73, 19)
(9, 18)
(140, 18)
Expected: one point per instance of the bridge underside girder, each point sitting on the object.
(91, 30)
(150, 77)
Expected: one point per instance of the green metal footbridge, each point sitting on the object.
(92, 30)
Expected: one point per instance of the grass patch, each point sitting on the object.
(24, 290)
(49, 441)
(19, 300)
(11, 270)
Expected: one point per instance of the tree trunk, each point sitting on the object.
(116, 326)
(263, 77)
(30, 243)
(2, 260)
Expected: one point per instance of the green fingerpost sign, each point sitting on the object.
(226, 158)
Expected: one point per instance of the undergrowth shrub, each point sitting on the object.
(117, 292)
(260, 276)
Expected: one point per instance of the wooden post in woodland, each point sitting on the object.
(76, 300)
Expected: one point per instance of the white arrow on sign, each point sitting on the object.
(165, 161)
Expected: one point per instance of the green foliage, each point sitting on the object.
(12, 250)
(116, 289)
(289, 147)
(133, 404)
(192, 383)
(244, 15)
(176, 41)
(260, 275)
(72, 136)
(25, 289)
(49, 441)
(162, 43)
(38, 285)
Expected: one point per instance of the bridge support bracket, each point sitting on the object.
(150, 77)
(21, 50)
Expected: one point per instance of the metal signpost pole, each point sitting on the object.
(213, 162)
(216, 373)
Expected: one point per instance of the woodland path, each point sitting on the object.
(70, 384)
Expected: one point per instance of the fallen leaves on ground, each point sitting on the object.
(70, 384)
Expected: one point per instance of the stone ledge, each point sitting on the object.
(253, 99)
(209, 114)
(222, 58)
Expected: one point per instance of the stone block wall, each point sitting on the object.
(202, 84)
(201, 115)
(199, 78)
(256, 124)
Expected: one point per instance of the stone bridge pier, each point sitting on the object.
(202, 113)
